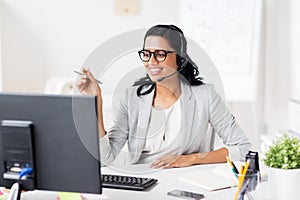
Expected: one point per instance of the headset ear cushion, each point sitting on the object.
(179, 60)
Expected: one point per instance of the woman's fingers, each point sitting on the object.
(87, 84)
(83, 83)
(89, 75)
(165, 162)
(168, 166)
(171, 161)
(157, 164)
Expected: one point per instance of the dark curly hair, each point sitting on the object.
(186, 66)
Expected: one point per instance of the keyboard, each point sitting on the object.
(126, 182)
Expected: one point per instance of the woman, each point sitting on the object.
(165, 115)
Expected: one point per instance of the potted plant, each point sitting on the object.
(283, 158)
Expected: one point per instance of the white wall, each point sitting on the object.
(48, 38)
(270, 114)
(294, 106)
(279, 72)
(277, 65)
(295, 49)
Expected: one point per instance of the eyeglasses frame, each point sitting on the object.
(153, 52)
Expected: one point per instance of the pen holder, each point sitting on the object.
(247, 185)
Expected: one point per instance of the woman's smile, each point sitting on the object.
(155, 70)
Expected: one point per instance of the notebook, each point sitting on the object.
(209, 180)
(218, 178)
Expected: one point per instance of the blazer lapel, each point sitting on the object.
(188, 105)
(145, 106)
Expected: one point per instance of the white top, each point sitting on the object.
(163, 133)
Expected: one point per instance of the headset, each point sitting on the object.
(180, 60)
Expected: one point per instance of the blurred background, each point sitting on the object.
(254, 44)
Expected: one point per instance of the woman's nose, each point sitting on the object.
(152, 60)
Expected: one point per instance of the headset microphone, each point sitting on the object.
(164, 77)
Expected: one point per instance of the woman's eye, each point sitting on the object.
(161, 54)
(146, 54)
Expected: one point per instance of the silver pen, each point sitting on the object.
(98, 81)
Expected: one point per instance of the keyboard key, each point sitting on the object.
(126, 182)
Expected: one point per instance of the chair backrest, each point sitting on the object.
(59, 85)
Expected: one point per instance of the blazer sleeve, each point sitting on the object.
(224, 124)
(112, 143)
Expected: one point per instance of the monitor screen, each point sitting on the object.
(65, 140)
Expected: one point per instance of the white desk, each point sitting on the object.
(168, 179)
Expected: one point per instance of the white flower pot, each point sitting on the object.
(284, 184)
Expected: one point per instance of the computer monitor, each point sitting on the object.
(65, 140)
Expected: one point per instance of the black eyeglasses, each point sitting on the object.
(160, 55)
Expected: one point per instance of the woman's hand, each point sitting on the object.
(88, 85)
(171, 161)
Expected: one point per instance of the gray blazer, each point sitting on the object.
(201, 107)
